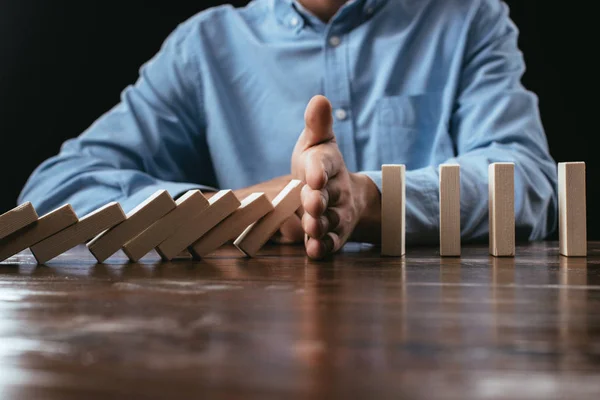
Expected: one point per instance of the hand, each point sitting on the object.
(333, 199)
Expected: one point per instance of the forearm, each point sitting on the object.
(87, 184)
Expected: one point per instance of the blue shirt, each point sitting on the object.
(414, 82)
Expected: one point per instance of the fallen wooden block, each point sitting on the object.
(501, 209)
(17, 218)
(253, 207)
(220, 206)
(449, 202)
(86, 228)
(110, 241)
(46, 226)
(188, 206)
(393, 210)
(256, 235)
(572, 231)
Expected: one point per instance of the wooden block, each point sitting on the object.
(86, 228)
(502, 209)
(256, 235)
(393, 210)
(572, 230)
(220, 206)
(109, 242)
(253, 207)
(449, 210)
(17, 218)
(188, 206)
(48, 224)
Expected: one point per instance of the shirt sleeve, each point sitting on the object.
(152, 139)
(495, 120)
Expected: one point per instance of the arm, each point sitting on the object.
(495, 120)
(153, 139)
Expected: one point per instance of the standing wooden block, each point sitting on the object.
(48, 224)
(17, 218)
(572, 231)
(253, 208)
(86, 228)
(220, 206)
(188, 206)
(109, 242)
(393, 210)
(256, 235)
(449, 210)
(502, 209)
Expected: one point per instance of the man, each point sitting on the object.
(223, 104)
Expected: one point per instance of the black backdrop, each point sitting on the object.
(63, 63)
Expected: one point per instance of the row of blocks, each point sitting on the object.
(191, 224)
(199, 225)
(572, 226)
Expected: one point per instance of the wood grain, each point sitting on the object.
(83, 230)
(502, 209)
(17, 218)
(393, 210)
(46, 226)
(256, 235)
(188, 206)
(449, 202)
(139, 219)
(572, 218)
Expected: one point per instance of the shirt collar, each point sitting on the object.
(292, 14)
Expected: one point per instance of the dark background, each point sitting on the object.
(64, 63)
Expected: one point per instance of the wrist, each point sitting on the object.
(367, 196)
(368, 204)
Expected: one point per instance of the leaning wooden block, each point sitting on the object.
(253, 207)
(393, 210)
(501, 209)
(109, 242)
(220, 206)
(17, 218)
(256, 235)
(449, 210)
(572, 231)
(188, 206)
(48, 224)
(86, 228)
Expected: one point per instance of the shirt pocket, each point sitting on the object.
(407, 126)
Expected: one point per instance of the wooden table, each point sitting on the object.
(283, 327)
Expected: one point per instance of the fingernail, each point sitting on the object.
(324, 201)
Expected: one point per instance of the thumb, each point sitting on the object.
(318, 121)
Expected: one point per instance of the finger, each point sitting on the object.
(333, 219)
(318, 249)
(318, 120)
(315, 227)
(340, 221)
(314, 202)
(336, 242)
(322, 163)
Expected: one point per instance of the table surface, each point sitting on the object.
(282, 326)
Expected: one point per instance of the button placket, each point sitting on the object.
(337, 90)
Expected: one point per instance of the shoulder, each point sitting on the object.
(220, 18)
(453, 8)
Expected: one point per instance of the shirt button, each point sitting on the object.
(334, 41)
(370, 10)
(341, 114)
(294, 21)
